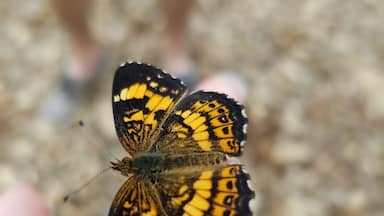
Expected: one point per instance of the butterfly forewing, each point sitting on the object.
(142, 97)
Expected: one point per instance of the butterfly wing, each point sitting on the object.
(136, 198)
(142, 97)
(205, 121)
(208, 191)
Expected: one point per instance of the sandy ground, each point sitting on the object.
(315, 101)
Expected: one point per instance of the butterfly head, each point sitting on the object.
(124, 166)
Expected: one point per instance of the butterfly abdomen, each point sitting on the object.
(194, 159)
(143, 162)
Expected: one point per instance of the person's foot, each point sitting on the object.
(79, 74)
(175, 60)
(84, 62)
(177, 63)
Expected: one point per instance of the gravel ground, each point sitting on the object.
(315, 100)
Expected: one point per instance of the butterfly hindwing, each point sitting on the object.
(142, 97)
(136, 198)
(208, 191)
(205, 121)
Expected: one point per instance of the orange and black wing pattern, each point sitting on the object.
(154, 116)
(209, 191)
(142, 97)
(136, 198)
(205, 121)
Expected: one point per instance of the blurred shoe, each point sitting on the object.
(180, 66)
(190, 80)
(61, 104)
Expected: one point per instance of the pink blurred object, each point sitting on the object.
(22, 201)
(225, 82)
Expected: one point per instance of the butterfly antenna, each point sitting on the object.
(72, 194)
(90, 133)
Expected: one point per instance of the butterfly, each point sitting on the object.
(178, 146)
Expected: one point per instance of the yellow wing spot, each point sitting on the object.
(164, 104)
(182, 135)
(183, 189)
(151, 207)
(148, 93)
(230, 171)
(207, 107)
(192, 210)
(197, 122)
(126, 119)
(131, 91)
(153, 101)
(191, 117)
(116, 98)
(141, 91)
(163, 89)
(153, 84)
(205, 145)
(135, 117)
(201, 128)
(203, 184)
(199, 202)
(219, 111)
(220, 120)
(182, 132)
(229, 145)
(227, 185)
(127, 205)
(178, 200)
(205, 193)
(123, 94)
(150, 119)
(186, 113)
(201, 136)
(179, 128)
(206, 175)
(175, 91)
(198, 104)
(223, 131)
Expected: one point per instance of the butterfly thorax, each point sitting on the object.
(148, 162)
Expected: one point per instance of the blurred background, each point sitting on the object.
(315, 104)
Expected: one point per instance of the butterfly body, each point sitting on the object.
(157, 162)
(177, 147)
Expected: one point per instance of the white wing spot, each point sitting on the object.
(249, 183)
(252, 205)
(245, 128)
(244, 113)
(244, 171)
(242, 143)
